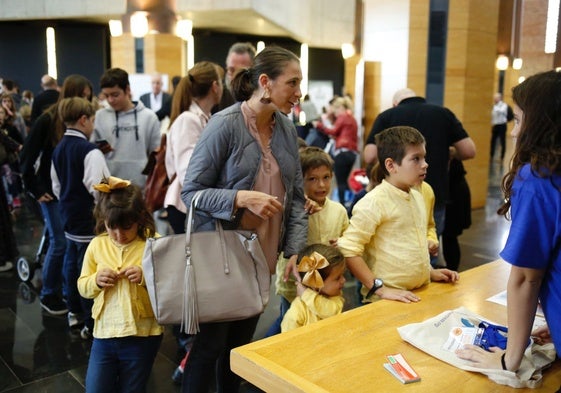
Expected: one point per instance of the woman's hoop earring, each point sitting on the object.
(266, 98)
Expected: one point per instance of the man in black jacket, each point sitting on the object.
(158, 100)
(444, 135)
(46, 98)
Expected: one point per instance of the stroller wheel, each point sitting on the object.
(24, 269)
(26, 293)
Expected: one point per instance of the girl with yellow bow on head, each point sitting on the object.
(319, 292)
(126, 335)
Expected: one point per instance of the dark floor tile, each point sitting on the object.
(8, 380)
(160, 379)
(35, 351)
(60, 383)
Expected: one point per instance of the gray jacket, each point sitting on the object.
(226, 159)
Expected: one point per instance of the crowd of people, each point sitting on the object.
(231, 133)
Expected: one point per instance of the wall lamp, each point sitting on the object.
(184, 28)
(348, 50)
(115, 28)
(139, 24)
(502, 62)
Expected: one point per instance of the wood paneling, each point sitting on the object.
(470, 80)
(164, 53)
(123, 53)
(418, 45)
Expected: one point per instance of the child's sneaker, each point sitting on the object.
(177, 375)
(6, 266)
(85, 333)
(53, 305)
(75, 321)
(16, 203)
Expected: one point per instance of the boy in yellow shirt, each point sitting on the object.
(386, 243)
(326, 223)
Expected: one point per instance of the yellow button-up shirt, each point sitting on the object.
(388, 229)
(124, 309)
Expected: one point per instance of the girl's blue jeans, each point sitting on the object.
(121, 364)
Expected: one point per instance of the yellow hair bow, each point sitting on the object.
(112, 183)
(311, 264)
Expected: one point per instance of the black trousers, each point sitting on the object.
(342, 166)
(498, 133)
(210, 353)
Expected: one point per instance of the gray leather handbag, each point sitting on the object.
(211, 276)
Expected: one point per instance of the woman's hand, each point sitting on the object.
(106, 278)
(6, 107)
(397, 294)
(291, 268)
(132, 273)
(541, 335)
(311, 206)
(480, 357)
(444, 275)
(262, 205)
(46, 197)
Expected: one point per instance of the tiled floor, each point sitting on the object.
(38, 354)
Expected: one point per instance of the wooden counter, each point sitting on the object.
(345, 353)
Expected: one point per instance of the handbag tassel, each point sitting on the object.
(190, 317)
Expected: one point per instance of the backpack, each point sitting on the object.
(157, 181)
(509, 113)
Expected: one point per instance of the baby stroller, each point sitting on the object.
(25, 268)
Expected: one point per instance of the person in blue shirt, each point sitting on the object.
(532, 189)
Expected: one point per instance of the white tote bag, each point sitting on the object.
(432, 336)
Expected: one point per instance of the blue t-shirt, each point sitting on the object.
(535, 238)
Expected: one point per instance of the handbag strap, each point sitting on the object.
(218, 228)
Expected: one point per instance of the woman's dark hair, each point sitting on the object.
(196, 84)
(271, 61)
(122, 208)
(73, 86)
(539, 139)
(332, 254)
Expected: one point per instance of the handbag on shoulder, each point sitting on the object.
(157, 182)
(211, 276)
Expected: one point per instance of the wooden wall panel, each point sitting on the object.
(470, 79)
(123, 53)
(164, 53)
(419, 17)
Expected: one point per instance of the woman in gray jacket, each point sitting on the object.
(247, 162)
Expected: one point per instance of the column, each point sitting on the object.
(470, 73)
(164, 53)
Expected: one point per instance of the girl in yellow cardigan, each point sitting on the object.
(320, 292)
(126, 334)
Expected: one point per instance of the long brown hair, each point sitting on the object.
(539, 140)
(196, 84)
(271, 61)
(73, 86)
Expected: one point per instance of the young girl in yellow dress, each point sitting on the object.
(126, 334)
(319, 293)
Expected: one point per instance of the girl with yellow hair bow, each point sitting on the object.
(126, 335)
(319, 292)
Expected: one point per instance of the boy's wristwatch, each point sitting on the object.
(377, 284)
